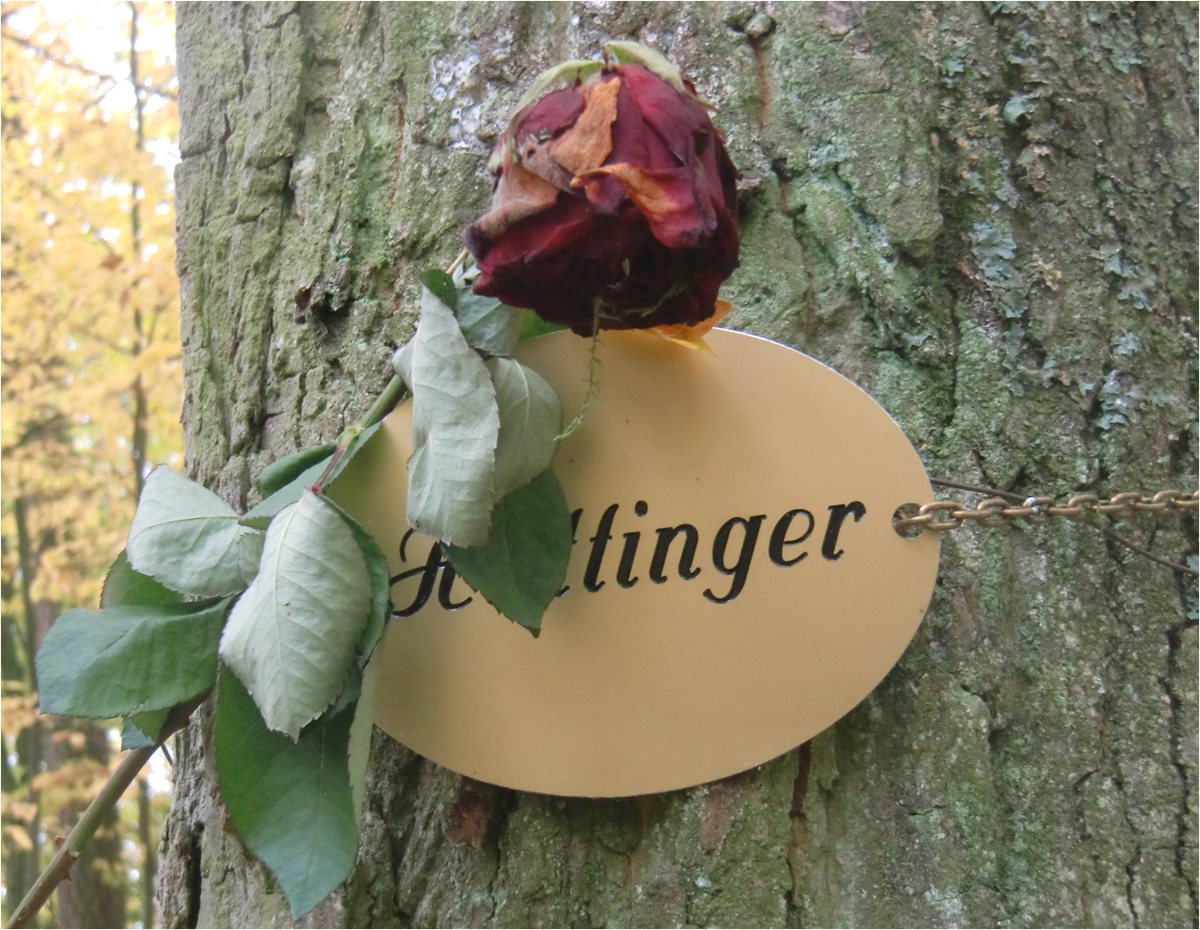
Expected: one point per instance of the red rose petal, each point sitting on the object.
(667, 198)
(674, 116)
(552, 115)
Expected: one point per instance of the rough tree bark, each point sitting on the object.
(984, 214)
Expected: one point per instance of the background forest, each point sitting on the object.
(91, 397)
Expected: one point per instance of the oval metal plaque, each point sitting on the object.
(735, 587)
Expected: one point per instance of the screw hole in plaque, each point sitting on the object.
(904, 512)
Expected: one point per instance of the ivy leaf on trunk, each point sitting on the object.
(292, 637)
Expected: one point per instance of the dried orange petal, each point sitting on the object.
(692, 335)
(585, 145)
(520, 193)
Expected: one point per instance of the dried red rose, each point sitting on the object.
(614, 203)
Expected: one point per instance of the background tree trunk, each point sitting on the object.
(95, 896)
(984, 214)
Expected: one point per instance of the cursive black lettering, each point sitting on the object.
(599, 544)
(837, 514)
(782, 550)
(779, 538)
(625, 566)
(574, 528)
(742, 567)
(666, 535)
(625, 578)
(445, 589)
(428, 573)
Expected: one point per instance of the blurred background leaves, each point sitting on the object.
(91, 388)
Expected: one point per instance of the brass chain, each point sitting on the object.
(1082, 508)
(996, 511)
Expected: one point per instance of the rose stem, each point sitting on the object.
(593, 388)
(462, 257)
(78, 838)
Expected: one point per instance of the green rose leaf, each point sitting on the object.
(488, 325)
(637, 54)
(381, 610)
(142, 730)
(290, 802)
(353, 688)
(455, 428)
(132, 736)
(124, 586)
(568, 72)
(381, 585)
(360, 736)
(442, 286)
(124, 660)
(533, 326)
(530, 421)
(187, 538)
(522, 567)
(261, 515)
(402, 361)
(287, 469)
(292, 636)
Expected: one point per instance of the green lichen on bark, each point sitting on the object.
(985, 214)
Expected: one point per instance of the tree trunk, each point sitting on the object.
(984, 214)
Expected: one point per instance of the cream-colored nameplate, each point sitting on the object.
(735, 587)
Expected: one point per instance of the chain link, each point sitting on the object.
(996, 511)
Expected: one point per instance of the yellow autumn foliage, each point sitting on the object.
(90, 303)
(90, 375)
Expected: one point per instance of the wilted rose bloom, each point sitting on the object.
(614, 205)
